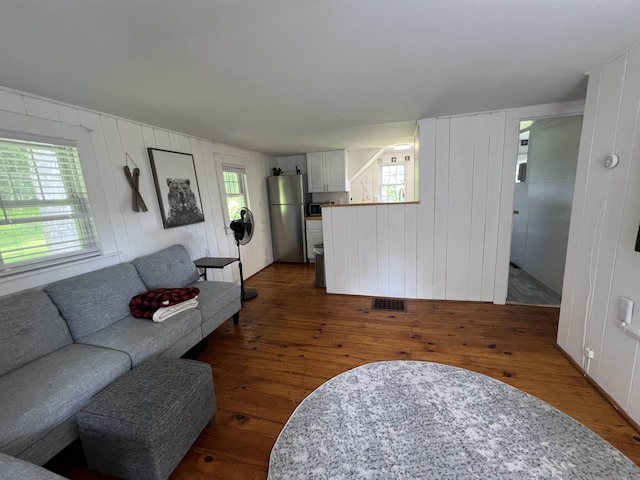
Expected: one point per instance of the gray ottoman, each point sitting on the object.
(142, 424)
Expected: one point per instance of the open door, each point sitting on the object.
(543, 195)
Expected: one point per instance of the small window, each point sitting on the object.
(235, 191)
(45, 215)
(392, 186)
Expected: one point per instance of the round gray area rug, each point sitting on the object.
(421, 420)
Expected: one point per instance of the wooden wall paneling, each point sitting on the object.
(174, 141)
(205, 230)
(397, 266)
(189, 235)
(383, 244)
(261, 247)
(441, 202)
(164, 143)
(122, 190)
(93, 122)
(133, 144)
(12, 102)
(329, 249)
(615, 370)
(425, 212)
(410, 260)
(218, 246)
(492, 216)
(147, 185)
(68, 114)
(602, 224)
(573, 308)
(478, 205)
(162, 139)
(341, 261)
(218, 239)
(459, 207)
(37, 107)
(367, 242)
(352, 250)
(633, 405)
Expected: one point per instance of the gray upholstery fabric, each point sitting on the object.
(95, 300)
(51, 443)
(44, 393)
(219, 318)
(217, 302)
(142, 425)
(183, 345)
(30, 327)
(142, 338)
(12, 468)
(168, 268)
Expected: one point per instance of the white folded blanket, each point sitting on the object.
(163, 313)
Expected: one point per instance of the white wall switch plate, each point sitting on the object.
(625, 310)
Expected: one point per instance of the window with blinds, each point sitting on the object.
(45, 216)
(234, 187)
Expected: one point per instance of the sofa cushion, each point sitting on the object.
(12, 467)
(143, 339)
(214, 296)
(30, 327)
(44, 393)
(95, 300)
(171, 267)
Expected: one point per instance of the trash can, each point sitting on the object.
(318, 251)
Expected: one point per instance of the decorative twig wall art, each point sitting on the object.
(134, 183)
(174, 175)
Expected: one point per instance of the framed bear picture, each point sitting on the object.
(174, 175)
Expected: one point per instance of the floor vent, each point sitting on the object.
(389, 304)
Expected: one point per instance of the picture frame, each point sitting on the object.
(176, 182)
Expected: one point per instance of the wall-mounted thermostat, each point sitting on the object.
(610, 161)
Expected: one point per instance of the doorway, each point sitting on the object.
(543, 196)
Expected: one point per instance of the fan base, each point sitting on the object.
(249, 293)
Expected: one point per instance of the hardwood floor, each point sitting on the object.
(293, 337)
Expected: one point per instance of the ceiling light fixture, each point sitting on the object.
(404, 146)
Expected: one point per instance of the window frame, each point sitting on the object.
(382, 185)
(12, 123)
(241, 171)
(46, 187)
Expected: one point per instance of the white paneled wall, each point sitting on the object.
(602, 264)
(454, 244)
(126, 234)
(443, 247)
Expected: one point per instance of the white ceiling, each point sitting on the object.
(291, 76)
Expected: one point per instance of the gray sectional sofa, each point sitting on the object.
(61, 345)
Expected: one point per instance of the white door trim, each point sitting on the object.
(512, 128)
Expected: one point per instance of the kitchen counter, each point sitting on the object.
(313, 217)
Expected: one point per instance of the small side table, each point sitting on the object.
(213, 262)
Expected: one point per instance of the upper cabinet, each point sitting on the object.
(327, 171)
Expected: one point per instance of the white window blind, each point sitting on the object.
(45, 215)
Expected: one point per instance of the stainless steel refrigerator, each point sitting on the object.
(288, 199)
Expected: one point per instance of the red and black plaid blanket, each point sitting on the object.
(146, 304)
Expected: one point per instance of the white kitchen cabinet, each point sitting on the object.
(327, 171)
(314, 236)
